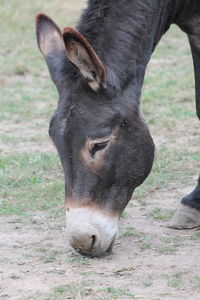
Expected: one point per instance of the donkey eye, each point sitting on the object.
(97, 147)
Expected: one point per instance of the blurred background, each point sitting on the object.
(28, 98)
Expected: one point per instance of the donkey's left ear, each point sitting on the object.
(83, 56)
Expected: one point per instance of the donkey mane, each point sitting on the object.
(115, 34)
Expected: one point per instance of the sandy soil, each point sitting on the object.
(149, 261)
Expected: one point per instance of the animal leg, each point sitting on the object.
(188, 215)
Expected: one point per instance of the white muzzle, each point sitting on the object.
(90, 231)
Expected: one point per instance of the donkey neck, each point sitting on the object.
(124, 34)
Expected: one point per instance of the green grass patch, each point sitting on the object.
(116, 293)
(130, 232)
(196, 281)
(145, 245)
(70, 291)
(26, 183)
(49, 259)
(169, 167)
(161, 214)
(77, 259)
(174, 283)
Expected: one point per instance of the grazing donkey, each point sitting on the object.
(103, 142)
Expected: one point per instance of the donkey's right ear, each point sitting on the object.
(50, 43)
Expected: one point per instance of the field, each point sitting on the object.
(149, 261)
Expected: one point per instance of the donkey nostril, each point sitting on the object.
(85, 241)
(89, 232)
(93, 241)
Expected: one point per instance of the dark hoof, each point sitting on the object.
(185, 218)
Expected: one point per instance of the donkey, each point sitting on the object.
(104, 144)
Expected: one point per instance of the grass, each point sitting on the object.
(175, 280)
(161, 215)
(78, 260)
(15, 276)
(168, 250)
(174, 283)
(130, 232)
(70, 291)
(147, 283)
(49, 259)
(116, 293)
(25, 183)
(195, 281)
(195, 236)
(145, 245)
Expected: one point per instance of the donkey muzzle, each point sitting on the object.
(91, 232)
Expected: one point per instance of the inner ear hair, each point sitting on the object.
(83, 56)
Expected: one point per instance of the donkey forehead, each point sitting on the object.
(87, 115)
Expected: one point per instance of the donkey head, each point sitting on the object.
(103, 142)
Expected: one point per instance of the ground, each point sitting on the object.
(149, 261)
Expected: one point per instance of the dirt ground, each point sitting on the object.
(152, 263)
(149, 261)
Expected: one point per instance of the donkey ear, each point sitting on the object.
(83, 56)
(50, 43)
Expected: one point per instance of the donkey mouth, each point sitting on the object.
(96, 252)
(109, 250)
